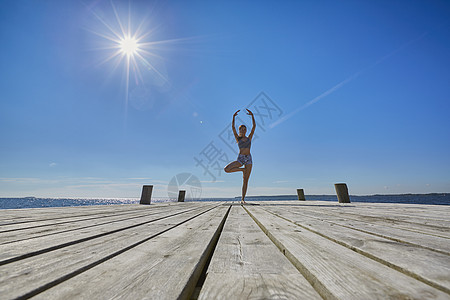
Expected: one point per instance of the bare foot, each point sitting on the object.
(243, 202)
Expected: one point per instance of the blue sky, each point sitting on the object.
(362, 91)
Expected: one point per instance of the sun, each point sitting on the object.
(129, 45)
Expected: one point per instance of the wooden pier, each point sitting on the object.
(222, 250)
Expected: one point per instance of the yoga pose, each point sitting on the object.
(244, 157)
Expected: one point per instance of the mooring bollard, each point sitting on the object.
(181, 195)
(301, 195)
(342, 192)
(146, 195)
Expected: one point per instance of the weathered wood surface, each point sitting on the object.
(362, 219)
(14, 251)
(273, 250)
(246, 264)
(166, 267)
(72, 253)
(39, 228)
(407, 258)
(336, 271)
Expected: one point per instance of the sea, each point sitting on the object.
(35, 202)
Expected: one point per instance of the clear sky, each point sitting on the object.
(345, 91)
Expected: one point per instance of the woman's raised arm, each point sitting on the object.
(233, 126)
(250, 136)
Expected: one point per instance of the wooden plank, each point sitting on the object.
(417, 224)
(21, 249)
(165, 267)
(247, 265)
(432, 242)
(431, 212)
(438, 228)
(8, 216)
(428, 266)
(42, 217)
(19, 216)
(334, 270)
(417, 220)
(11, 216)
(31, 226)
(437, 212)
(43, 271)
(52, 222)
(46, 228)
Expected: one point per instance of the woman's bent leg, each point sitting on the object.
(234, 166)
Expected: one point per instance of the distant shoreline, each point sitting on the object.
(368, 195)
(236, 197)
(35, 202)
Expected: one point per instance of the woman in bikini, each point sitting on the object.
(244, 157)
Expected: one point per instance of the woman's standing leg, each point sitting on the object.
(246, 176)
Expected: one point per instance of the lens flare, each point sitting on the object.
(129, 46)
(132, 45)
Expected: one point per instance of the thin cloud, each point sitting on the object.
(211, 181)
(346, 81)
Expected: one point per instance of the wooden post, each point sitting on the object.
(342, 192)
(301, 195)
(181, 195)
(146, 195)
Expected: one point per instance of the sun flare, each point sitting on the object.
(129, 46)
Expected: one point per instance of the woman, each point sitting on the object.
(244, 157)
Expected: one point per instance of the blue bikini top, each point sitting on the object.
(244, 144)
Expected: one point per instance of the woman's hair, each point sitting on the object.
(240, 137)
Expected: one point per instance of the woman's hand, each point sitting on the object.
(235, 114)
(249, 112)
